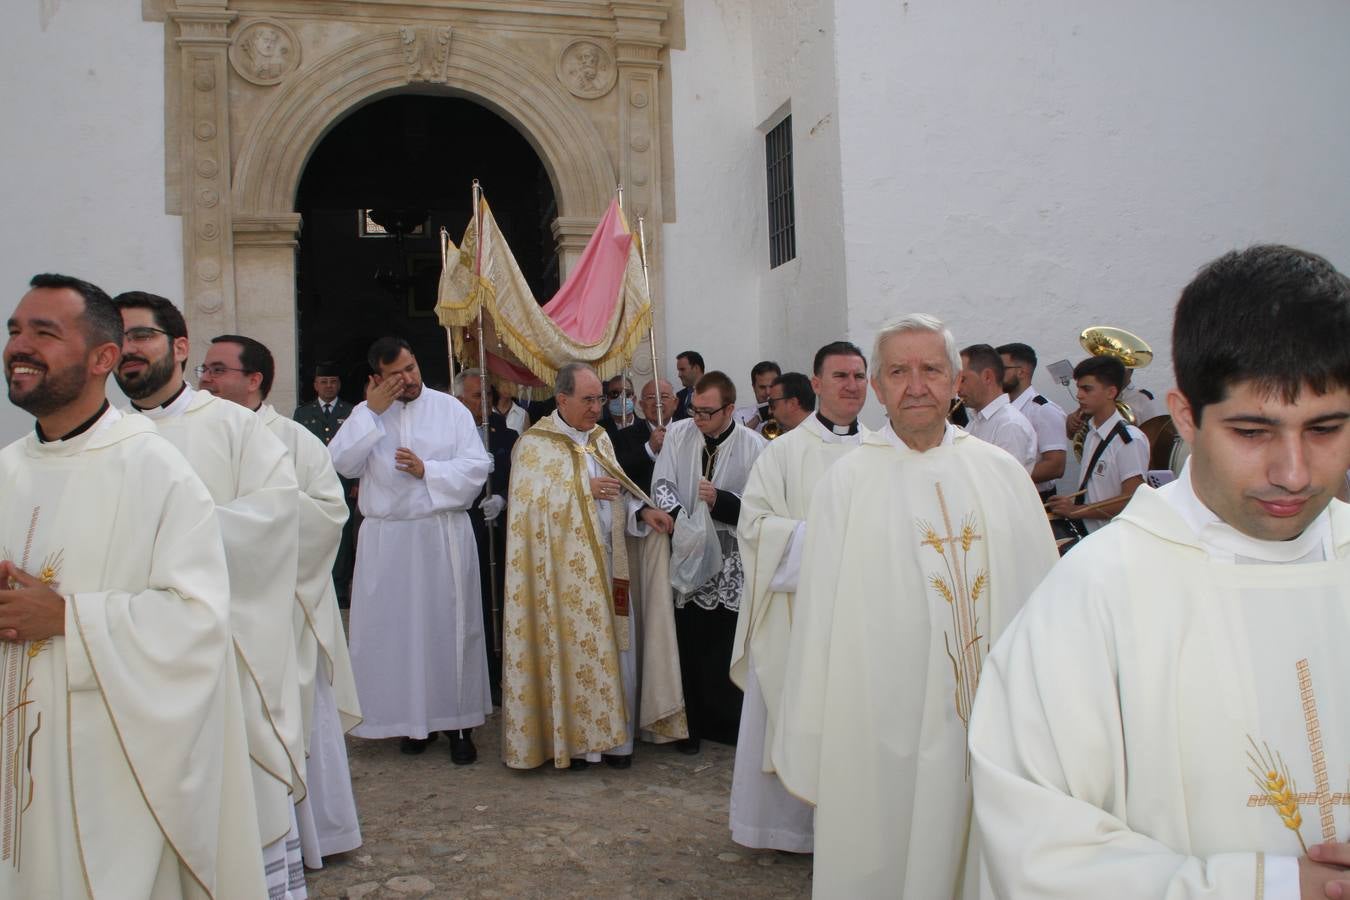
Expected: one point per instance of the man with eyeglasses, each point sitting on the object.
(770, 536)
(1046, 416)
(241, 369)
(569, 655)
(791, 400)
(698, 480)
(253, 484)
(418, 641)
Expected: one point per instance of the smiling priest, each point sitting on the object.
(125, 766)
(1186, 733)
(921, 545)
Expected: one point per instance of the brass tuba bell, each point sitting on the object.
(1133, 353)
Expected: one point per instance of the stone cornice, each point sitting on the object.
(277, 229)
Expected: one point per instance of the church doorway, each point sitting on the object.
(373, 198)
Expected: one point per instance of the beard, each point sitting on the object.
(53, 392)
(139, 385)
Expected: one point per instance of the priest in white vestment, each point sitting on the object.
(920, 547)
(125, 766)
(698, 479)
(241, 369)
(257, 505)
(417, 636)
(770, 534)
(1170, 714)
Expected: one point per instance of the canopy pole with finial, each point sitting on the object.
(651, 329)
(484, 391)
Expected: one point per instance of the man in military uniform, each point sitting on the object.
(323, 416)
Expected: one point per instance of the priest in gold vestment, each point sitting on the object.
(569, 670)
(921, 545)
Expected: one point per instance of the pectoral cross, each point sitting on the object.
(1322, 797)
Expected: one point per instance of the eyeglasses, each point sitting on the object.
(216, 370)
(699, 413)
(590, 401)
(772, 400)
(142, 334)
(616, 394)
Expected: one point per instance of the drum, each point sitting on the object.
(1162, 438)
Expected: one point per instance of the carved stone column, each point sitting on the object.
(638, 44)
(264, 256)
(570, 234)
(203, 42)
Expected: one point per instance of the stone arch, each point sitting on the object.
(273, 153)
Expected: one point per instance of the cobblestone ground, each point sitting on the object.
(658, 829)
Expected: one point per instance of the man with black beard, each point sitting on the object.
(251, 478)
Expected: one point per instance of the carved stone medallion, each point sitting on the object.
(265, 51)
(587, 69)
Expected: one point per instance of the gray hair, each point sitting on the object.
(566, 380)
(917, 322)
(457, 387)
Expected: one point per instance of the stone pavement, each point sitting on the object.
(658, 829)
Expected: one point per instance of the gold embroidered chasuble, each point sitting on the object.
(125, 765)
(913, 565)
(561, 688)
(1168, 735)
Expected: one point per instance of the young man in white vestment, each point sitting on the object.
(125, 764)
(241, 369)
(417, 639)
(698, 479)
(257, 505)
(770, 534)
(1186, 733)
(921, 545)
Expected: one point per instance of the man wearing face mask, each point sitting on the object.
(620, 411)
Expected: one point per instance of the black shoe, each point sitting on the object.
(618, 762)
(415, 746)
(689, 746)
(576, 765)
(462, 750)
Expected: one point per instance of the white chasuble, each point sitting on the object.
(770, 536)
(417, 638)
(1176, 733)
(125, 765)
(914, 563)
(252, 481)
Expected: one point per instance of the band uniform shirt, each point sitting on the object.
(1120, 461)
(1047, 418)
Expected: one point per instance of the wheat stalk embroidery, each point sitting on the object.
(1277, 786)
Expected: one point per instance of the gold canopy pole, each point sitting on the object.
(651, 329)
(483, 390)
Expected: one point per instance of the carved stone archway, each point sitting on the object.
(251, 110)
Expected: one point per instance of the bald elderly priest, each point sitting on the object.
(125, 769)
(921, 545)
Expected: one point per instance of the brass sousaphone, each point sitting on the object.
(1133, 353)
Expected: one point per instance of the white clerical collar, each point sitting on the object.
(1224, 542)
(581, 437)
(1105, 428)
(948, 436)
(992, 407)
(176, 407)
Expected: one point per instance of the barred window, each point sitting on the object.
(778, 164)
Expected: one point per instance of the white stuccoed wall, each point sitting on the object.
(1025, 169)
(83, 159)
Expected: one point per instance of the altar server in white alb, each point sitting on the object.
(257, 504)
(1186, 733)
(241, 370)
(417, 641)
(771, 534)
(125, 765)
(921, 545)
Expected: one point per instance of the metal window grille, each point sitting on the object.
(782, 222)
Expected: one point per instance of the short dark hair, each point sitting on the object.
(719, 380)
(835, 348)
(764, 367)
(1272, 315)
(693, 357)
(386, 350)
(168, 318)
(254, 357)
(1106, 369)
(1020, 353)
(797, 386)
(982, 357)
(101, 320)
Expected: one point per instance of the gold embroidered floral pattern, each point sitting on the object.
(961, 590)
(20, 721)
